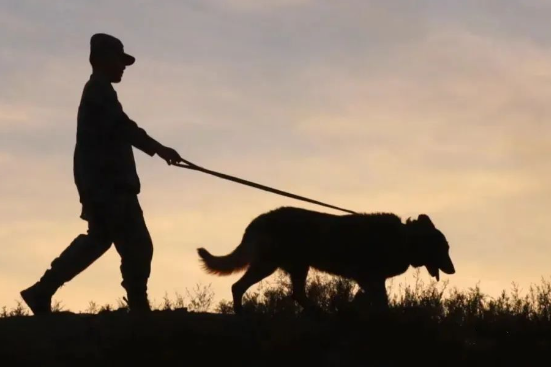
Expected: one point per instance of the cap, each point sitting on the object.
(102, 45)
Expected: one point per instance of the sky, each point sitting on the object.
(437, 107)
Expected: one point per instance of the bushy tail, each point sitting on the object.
(224, 265)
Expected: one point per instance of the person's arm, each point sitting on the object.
(127, 129)
(135, 135)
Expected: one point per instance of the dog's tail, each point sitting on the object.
(225, 265)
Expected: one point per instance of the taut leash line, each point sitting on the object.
(258, 186)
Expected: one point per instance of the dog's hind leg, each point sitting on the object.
(298, 280)
(256, 272)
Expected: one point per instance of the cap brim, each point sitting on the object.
(128, 59)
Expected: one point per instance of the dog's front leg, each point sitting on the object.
(375, 294)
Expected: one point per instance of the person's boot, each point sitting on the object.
(38, 298)
(138, 302)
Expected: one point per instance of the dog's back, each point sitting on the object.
(339, 244)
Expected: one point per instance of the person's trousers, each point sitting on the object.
(120, 222)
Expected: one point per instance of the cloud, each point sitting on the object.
(259, 6)
(365, 105)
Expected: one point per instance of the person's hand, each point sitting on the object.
(169, 155)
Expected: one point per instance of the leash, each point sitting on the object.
(194, 167)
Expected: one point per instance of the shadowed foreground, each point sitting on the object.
(179, 338)
(423, 328)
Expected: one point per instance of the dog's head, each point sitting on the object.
(428, 247)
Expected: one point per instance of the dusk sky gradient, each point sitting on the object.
(438, 107)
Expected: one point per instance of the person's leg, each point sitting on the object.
(79, 255)
(135, 247)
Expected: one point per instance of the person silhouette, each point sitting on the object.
(108, 185)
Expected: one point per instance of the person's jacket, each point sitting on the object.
(104, 164)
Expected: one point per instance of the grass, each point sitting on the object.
(428, 324)
(433, 300)
(335, 294)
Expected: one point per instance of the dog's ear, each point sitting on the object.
(425, 220)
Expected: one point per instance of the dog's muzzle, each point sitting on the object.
(445, 265)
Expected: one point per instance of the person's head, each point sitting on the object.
(107, 56)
